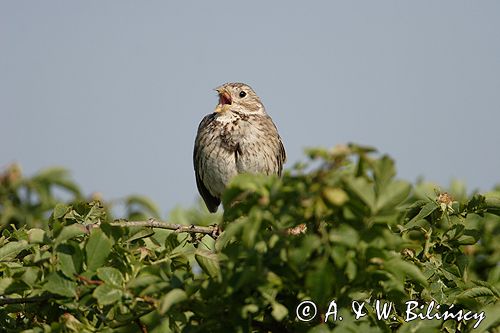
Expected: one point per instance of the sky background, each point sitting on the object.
(114, 90)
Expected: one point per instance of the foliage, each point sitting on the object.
(368, 237)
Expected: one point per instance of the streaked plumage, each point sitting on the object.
(238, 137)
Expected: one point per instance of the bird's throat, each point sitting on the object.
(220, 108)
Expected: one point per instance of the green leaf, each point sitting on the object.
(323, 328)
(467, 240)
(110, 275)
(146, 205)
(57, 284)
(234, 228)
(143, 281)
(208, 261)
(97, 249)
(401, 268)
(93, 212)
(335, 196)
(252, 227)
(344, 235)
(393, 194)
(5, 283)
(383, 172)
(31, 276)
(279, 311)
(476, 292)
(425, 211)
(107, 294)
(36, 236)
(70, 259)
(493, 204)
(70, 231)
(320, 281)
(143, 233)
(421, 326)
(247, 309)
(173, 297)
(60, 210)
(491, 319)
(12, 249)
(57, 176)
(364, 190)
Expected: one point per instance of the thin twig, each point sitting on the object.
(213, 231)
(89, 281)
(141, 325)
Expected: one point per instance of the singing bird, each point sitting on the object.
(238, 137)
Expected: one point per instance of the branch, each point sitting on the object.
(21, 300)
(89, 281)
(213, 231)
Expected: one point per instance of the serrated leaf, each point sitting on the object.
(208, 261)
(97, 249)
(173, 297)
(476, 292)
(107, 294)
(110, 275)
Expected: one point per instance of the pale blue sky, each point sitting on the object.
(114, 90)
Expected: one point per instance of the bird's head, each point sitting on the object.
(238, 97)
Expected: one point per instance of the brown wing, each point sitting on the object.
(281, 157)
(280, 152)
(211, 201)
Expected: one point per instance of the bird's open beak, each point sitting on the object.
(224, 100)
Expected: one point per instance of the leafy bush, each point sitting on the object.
(341, 228)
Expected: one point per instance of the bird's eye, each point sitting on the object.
(242, 94)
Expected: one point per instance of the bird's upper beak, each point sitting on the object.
(224, 100)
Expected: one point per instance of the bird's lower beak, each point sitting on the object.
(224, 100)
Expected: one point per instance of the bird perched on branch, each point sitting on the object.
(238, 137)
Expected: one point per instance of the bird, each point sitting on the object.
(238, 137)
